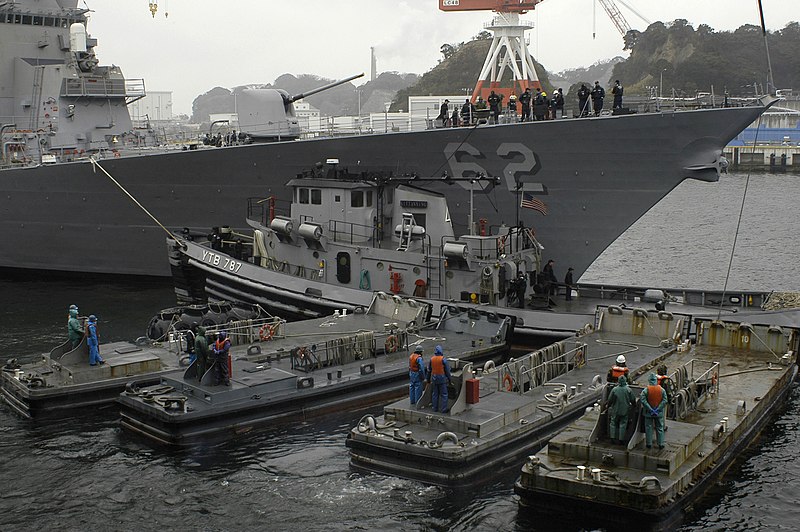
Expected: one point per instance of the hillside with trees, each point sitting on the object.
(692, 60)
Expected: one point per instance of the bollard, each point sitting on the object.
(581, 473)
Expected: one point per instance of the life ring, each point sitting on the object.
(508, 382)
(714, 381)
(391, 344)
(116, 154)
(501, 245)
(266, 332)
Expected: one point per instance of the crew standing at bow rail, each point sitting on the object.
(525, 102)
(540, 105)
(558, 104)
(467, 112)
(416, 375)
(654, 401)
(617, 91)
(598, 93)
(439, 372)
(618, 370)
(221, 348)
(494, 106)
(583, 100)
(444, 113)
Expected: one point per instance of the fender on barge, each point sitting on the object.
(308, 368)
(506, 411)
(724, 390)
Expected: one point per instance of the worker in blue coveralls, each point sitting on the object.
(654, 401)
(75, 327)
(93, 341)
(416, 375)
(439, 375)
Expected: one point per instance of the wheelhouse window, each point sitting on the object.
(357, 198)
(369, 198)
(316, 196)
(303, 195)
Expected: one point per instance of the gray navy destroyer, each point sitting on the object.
(593, 177)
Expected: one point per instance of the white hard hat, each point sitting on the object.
(621, 359)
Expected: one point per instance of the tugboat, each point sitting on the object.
(721, 392)
(503, 412)
(345, 235)
(349, 234)
(286, 370)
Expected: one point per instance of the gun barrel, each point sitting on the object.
(300, 96)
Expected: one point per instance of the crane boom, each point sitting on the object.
(616, 16)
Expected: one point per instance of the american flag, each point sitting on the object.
(529, 201)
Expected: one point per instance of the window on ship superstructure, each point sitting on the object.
(303, 195)
(316, 196)
(369, 198)
(357, 198)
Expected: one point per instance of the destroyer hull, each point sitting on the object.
(596, 177)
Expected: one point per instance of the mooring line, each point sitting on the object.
(96, 165)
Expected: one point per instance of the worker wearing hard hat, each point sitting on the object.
(619, 369)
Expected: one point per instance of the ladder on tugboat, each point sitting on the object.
(434, 265)
(406, 228)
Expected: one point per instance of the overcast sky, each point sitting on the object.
(204, 44)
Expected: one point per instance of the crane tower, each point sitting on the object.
(508, 49)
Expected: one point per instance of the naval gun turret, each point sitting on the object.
(268, 114)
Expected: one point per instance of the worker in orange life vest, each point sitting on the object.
(416, 375)
(439, 375)
(654, 401)
(617, 370)
(220, 350)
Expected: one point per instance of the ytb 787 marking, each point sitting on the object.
(219, 261)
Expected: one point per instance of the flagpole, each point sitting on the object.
(518, 207)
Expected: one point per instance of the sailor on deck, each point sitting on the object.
(654, 401)
(439, 372)
(416, 375)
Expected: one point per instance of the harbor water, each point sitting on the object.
(83, 473)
